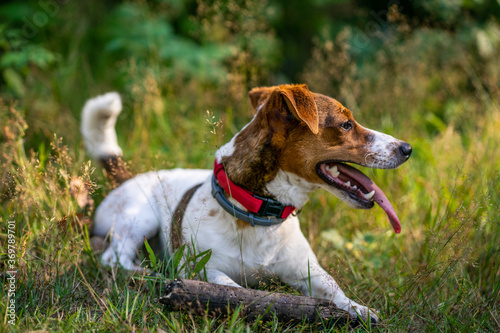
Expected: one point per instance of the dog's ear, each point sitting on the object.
(301, 103)
(255, 96)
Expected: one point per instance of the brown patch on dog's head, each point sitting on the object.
(301, 103)
(258, 147)
(339, 137)
(295, 130)
(255, 95)
(298, 98)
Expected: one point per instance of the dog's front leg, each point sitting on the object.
(218, 277)
(312, 280)
(323, 285)
(122, 251)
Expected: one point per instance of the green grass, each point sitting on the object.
(429, 88)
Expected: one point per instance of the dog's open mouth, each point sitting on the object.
(358, 187)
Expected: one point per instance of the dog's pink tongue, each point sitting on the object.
(379, 197)
(386, 205)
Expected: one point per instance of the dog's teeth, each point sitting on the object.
(355, 187)
(348, 183)
(334, 171)
(370, 195)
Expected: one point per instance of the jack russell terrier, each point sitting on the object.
(244, 210)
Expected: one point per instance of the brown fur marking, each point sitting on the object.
(116, 170)
(176, 225)
(300, 101)
(242, 224)
(304, 150)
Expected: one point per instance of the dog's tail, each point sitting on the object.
(98, 129)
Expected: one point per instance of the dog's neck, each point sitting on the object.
(249, 159)
(252, 162)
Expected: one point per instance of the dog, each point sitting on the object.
(245, 210)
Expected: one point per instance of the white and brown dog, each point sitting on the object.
(297, 142)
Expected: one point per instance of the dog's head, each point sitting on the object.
(312, 136)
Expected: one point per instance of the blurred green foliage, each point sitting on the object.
(226, 42)
(199, 39)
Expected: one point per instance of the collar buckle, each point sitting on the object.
(270, 207)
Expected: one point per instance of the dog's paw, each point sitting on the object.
(110, 259)
(359, 311)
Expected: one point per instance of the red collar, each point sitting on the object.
(253, 203)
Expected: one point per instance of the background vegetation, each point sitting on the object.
(425, 71)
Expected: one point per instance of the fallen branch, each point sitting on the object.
(214, 300)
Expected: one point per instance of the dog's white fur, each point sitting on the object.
(98, 125)
(143, 206)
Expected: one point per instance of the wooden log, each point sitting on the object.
(202, 298)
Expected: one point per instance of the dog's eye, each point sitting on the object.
(347, 125)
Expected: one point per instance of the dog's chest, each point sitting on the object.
(261, 246)
(243, 250)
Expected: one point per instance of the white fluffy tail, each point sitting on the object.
(98, 125)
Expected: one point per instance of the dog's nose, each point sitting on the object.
(405, 149)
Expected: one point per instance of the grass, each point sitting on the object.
(442, 273)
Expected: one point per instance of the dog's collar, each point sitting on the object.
(261, 211)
